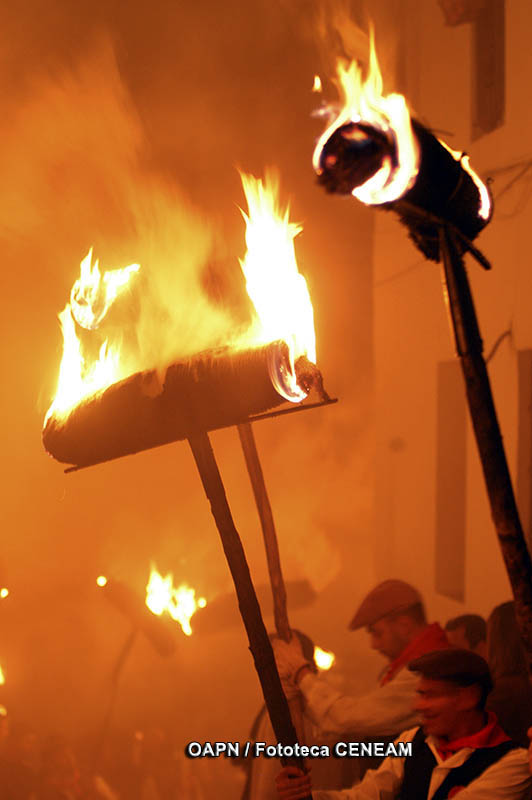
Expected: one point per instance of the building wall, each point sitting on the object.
(416, 504)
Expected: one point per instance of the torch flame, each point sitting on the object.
(93, 294)
(180, 603)
(364, 101)
(90, 299)
(323, 658)
(317, 87)
(277, 289)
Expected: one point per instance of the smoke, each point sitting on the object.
(75, 167)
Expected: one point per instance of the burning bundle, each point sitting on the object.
(100, 414)
(374, 151)
(139, 413)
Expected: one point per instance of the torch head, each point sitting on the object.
(352, 155)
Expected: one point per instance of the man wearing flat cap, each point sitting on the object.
(394, 617)
(459, 749)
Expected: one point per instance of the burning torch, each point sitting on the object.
(99, 413)
(372, 149)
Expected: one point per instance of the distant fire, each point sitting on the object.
(2, 677)
(180, 603)
(101, 580)
(4, 592)
(323, 658)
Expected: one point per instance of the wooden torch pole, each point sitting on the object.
(259, 642)
(488, 435)
(256, 476)
(262, 501)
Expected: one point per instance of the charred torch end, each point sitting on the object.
(443, 188)
(212, 390)
(351, 156)
(309, 377)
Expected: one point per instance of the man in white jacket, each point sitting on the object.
(458, 750)
(394, 616)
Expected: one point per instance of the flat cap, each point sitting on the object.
(463, 667)
(386, 598)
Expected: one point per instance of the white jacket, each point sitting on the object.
(382, 712)
(508, 779)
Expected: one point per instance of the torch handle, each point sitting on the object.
(490, 445)
(259, 642)
(256, 476)
(280, 610)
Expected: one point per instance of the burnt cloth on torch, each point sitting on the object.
(209, 391)
(442, 189)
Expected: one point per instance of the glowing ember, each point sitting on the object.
(101, 580)
(2, 677)
(277, 289)
(317, 84)
(323, 659)
(363, 101)
(180, 603)
(91, 295)
(4, 592)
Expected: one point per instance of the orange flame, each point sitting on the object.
(323, 659)
(316, 86)
(91, 297)
(93, 294)
(363, 100)
(180, 603)
(2, 677)
(277, 289)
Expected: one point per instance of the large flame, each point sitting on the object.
(273, 281)
(364, 101)
(91, 297)
(180, 602)
(278, 291)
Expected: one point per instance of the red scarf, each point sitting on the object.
(431, 638)
(490, 735)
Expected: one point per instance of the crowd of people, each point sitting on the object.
(459, 694)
